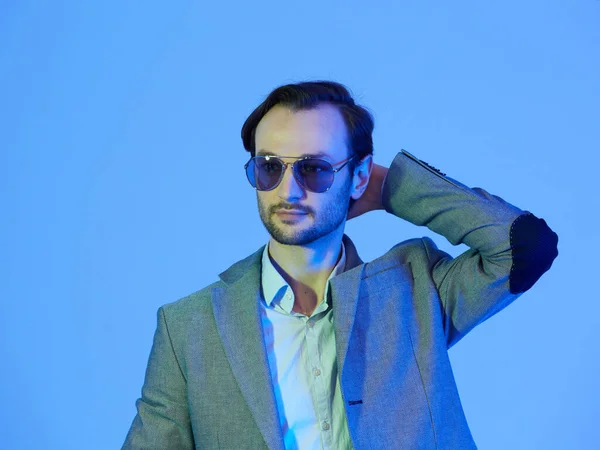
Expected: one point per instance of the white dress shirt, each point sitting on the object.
(303, 364)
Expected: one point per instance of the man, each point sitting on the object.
(303, 345)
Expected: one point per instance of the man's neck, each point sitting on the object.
(306, 268)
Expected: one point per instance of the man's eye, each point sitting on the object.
(270, 167)
(311, 168)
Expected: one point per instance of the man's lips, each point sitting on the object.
(291, 211)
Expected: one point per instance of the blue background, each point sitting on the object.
(122, 185)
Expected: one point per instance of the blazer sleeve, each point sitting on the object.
(509, 250)
(162, 420)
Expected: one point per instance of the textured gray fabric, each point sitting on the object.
(207, 383)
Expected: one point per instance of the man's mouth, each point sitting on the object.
(290, 211)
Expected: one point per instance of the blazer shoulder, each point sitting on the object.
(411, 249)
(408, 251)
(195, 302)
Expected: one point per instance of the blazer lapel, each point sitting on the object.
(236, 309)
(344, 290)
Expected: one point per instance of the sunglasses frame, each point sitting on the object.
(294, 170)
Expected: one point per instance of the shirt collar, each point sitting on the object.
(274, 284)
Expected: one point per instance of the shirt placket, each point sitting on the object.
(319, 385)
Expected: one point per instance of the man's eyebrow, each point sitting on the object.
(263, 152)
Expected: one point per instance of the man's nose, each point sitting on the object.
(289, 186)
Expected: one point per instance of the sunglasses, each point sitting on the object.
(316, 175)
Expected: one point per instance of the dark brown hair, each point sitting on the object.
(308, 95)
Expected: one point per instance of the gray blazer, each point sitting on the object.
(207, 383)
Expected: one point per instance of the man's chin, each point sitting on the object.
(289, 240)
(293, 239)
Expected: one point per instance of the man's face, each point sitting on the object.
(284, 133)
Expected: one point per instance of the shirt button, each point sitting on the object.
(310, 324)
(317, 372)
(325, 426)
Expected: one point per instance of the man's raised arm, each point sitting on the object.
(509, 251)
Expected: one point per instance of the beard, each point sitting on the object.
(302, 232)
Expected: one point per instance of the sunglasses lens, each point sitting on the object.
(266, 172)
(316, 174)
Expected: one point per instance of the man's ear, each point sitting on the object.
(362, 174)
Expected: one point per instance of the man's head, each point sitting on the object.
(320, 119)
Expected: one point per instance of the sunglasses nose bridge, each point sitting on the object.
(295, 174)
